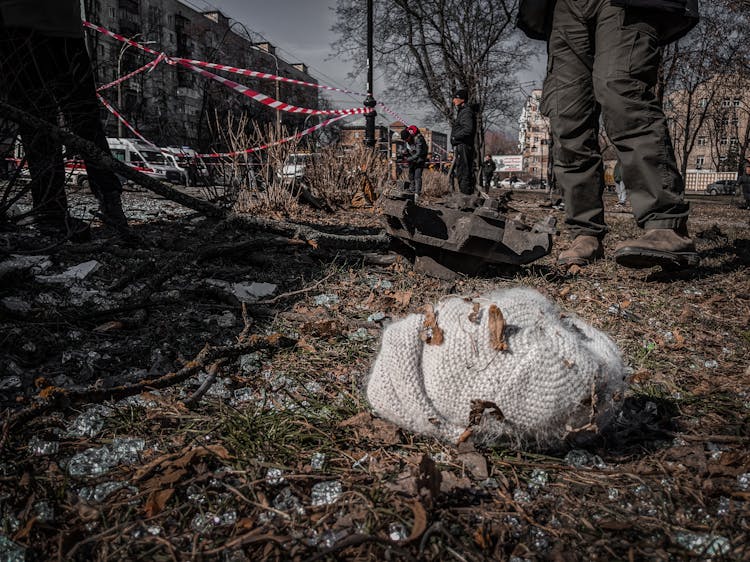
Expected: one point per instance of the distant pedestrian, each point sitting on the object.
(622, 195)
(46, 71)
(604, 58)
(462, 138)
(416, 156)
(488, 171)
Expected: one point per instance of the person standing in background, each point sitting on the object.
(416, 156)
(488, 170)
(462, 139)
(47, 72)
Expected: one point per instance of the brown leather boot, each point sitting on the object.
(584, 250)
(666, 247)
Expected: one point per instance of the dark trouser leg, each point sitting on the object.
(76, 92)
(417, 179)
(25, 75)
(625, 74)
(412, 169)
(574, 117)
(464, 169)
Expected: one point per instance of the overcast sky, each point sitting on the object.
(301, 32)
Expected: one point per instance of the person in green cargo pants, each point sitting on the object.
(603, 58)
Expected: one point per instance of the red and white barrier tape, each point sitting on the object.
(265, 76)
(190, 63)
(277, 78)
(124, 121)
(270, 144)
(224, 154)
(267, 100)
(149, 66)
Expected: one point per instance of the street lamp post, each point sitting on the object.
(370, 100)
(119, 74)
(276, 61)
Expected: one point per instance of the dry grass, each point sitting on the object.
(673, 464)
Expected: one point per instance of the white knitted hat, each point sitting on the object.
(557, 375)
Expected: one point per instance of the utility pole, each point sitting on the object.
(369, 100)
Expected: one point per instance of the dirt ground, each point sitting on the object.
(266, 450)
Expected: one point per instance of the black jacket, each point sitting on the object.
(465, 127)
(675, 17)
(488, 167)
(418, 150)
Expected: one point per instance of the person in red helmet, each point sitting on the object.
(416, 156)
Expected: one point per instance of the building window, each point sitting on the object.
(733, 142)
(703, 102)
(112, 13)
(702, 141)
(736, 102)
(726, 102)
(735, 120)
(699, 162)
(723, 141)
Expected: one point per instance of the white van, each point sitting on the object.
(146, 158)
(189, 163)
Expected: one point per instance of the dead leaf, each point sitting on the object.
(564, 291)
(476, 464)
(402, 298)
(170, 476)
(156, 501)
(405, 483)
(180, 460)
(304, 345)
(420, 522)
(450, 482)
(464, 436)
(574, 269)
(474, 314)
(23, 533)
(321, 328)
(359, 419)
(431, 333)
(497, 329)
(313, 243)
(478, 408)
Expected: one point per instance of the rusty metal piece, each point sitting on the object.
(465, 232)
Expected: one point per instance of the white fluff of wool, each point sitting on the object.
(558, 377)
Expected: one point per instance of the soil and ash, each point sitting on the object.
(271, 454)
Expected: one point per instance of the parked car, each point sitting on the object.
(146, 158)
(722, 187)
(513, 183)
(295, 166)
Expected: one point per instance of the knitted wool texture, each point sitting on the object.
(558, 376)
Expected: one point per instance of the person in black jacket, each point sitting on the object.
(47, 72)
(462, 138)
(603, 58)
(488, 170)
(416, 156)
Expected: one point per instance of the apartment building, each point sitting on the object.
(710, 126)
(172, 104)
(533, 137)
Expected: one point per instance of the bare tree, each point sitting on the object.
(500, 142)
(698, 70)
(428, 48)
